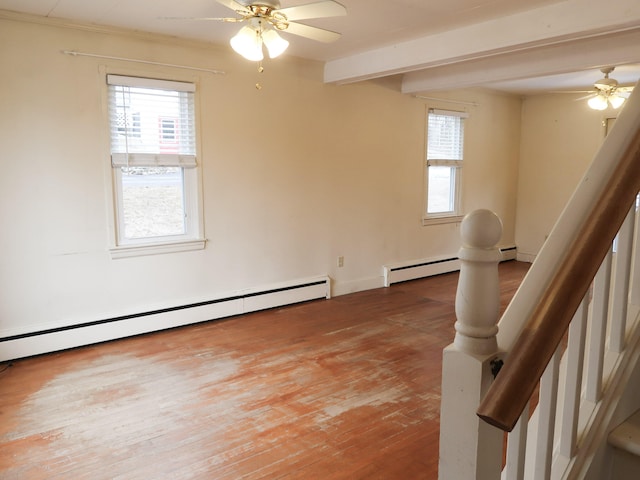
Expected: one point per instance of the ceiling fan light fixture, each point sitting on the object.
(275, 44)
(265, 18)
(598, 103)
(616, 101)
(248, 43)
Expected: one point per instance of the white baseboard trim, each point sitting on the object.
(25, 344)
(526, 257)
(353, 286)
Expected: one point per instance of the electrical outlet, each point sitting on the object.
(341, 261)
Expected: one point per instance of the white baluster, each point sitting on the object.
(573, 386)
(469, 447)
(597, 335)
(634, 294)
(516, 448)
(546, 418)
(621, 284)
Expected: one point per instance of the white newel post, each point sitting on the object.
(469, 447)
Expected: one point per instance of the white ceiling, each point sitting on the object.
(520, 46)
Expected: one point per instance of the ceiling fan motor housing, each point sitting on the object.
(606, 83)
(266, 4)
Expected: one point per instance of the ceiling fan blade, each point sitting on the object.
(325, 8)
(593, 94)
(314, 33)
(233, 5)
(223, 19)
(571, 91)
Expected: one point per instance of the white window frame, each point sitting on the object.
(192, 239)
(456, 214)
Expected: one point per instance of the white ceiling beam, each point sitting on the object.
(556, 23)
(617, 49)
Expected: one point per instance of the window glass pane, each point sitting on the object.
(153, 201)
(441, 189)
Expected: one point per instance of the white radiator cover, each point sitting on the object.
(51, 338)
(401, 272)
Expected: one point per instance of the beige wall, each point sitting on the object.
(560, 136)
(293, 175)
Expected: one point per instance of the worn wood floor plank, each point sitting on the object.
(347, 388)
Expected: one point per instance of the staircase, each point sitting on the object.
(624, 441)
(568, 392)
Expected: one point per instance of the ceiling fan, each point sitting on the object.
(607, 92)
(265, 18)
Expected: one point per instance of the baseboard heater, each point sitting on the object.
(18, 345)
(401, 272)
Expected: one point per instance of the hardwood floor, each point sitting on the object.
(347, 388)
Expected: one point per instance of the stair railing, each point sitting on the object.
(562, 294)
(570, 280)
(581, 385)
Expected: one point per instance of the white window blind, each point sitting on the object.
(445, 139)
(152, 122)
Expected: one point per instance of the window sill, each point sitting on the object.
(126, 251)
(441, 220)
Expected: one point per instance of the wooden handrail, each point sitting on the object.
(508, 395)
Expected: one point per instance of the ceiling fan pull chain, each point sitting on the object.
(260, 70)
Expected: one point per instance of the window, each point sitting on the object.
(155, 172)
(443, 164)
